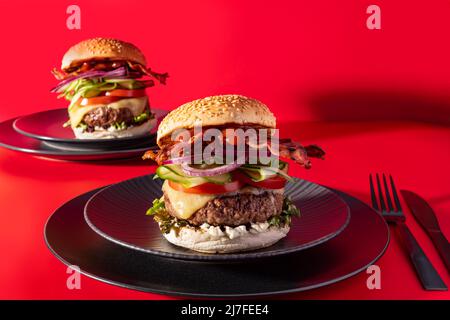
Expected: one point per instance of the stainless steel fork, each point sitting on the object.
(428, 275)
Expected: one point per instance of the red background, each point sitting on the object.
(322, 72)
(308, 60)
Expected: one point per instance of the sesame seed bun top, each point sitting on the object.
(101, 48)
(216, 111)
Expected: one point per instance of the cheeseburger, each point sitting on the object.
(215, 205)
(105, 80)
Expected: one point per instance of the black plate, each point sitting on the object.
(118, 214)
(48, 126)
(11, 139)
(72, 241)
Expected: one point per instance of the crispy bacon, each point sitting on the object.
(59, 75)
(161, 77)
(287, 149)
(314, 151)
(158, 155)
(298, 154)
(152, 155)
(293, 150)
(135, 70)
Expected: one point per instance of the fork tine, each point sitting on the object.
(380, 194)
(373, 195)
(388, 197)
(395, 194)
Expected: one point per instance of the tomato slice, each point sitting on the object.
(275, 182)
(126, 93)
(208, 187)
(112, 96)
(97, 100)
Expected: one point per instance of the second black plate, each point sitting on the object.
(47, 126)
(357, 247)
(11, 139)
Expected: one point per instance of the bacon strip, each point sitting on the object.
(295, 151)
(161, 77)
(135, 70)
(314, 151)
(159, 155)
(287, 149)
(59, 75)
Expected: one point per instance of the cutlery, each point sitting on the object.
(428, 275)
(426, 217)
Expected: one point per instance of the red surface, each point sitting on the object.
(323, 73)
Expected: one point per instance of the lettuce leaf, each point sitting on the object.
(288, 211)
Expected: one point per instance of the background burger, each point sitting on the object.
(104, 81)
(223, 208)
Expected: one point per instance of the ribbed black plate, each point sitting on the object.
(118, 213)
(72, 241)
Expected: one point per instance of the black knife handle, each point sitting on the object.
(427, 274)
(442, 246)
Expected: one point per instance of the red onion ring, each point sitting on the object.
(193, 172)
(178, 160)
(238, 157)
(122, 71)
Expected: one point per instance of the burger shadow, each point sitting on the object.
(311, 131)
(351, 111)
(381, 104)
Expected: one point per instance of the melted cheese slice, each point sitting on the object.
(136, 106)
(185, 204)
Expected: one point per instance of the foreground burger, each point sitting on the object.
(104, 81)
(219, 208)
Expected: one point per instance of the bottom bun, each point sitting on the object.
(209, 239)
(109, 133)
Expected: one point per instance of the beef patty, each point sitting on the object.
(105, 117)
(235, 210)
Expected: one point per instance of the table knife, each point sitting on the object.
(426, 217)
